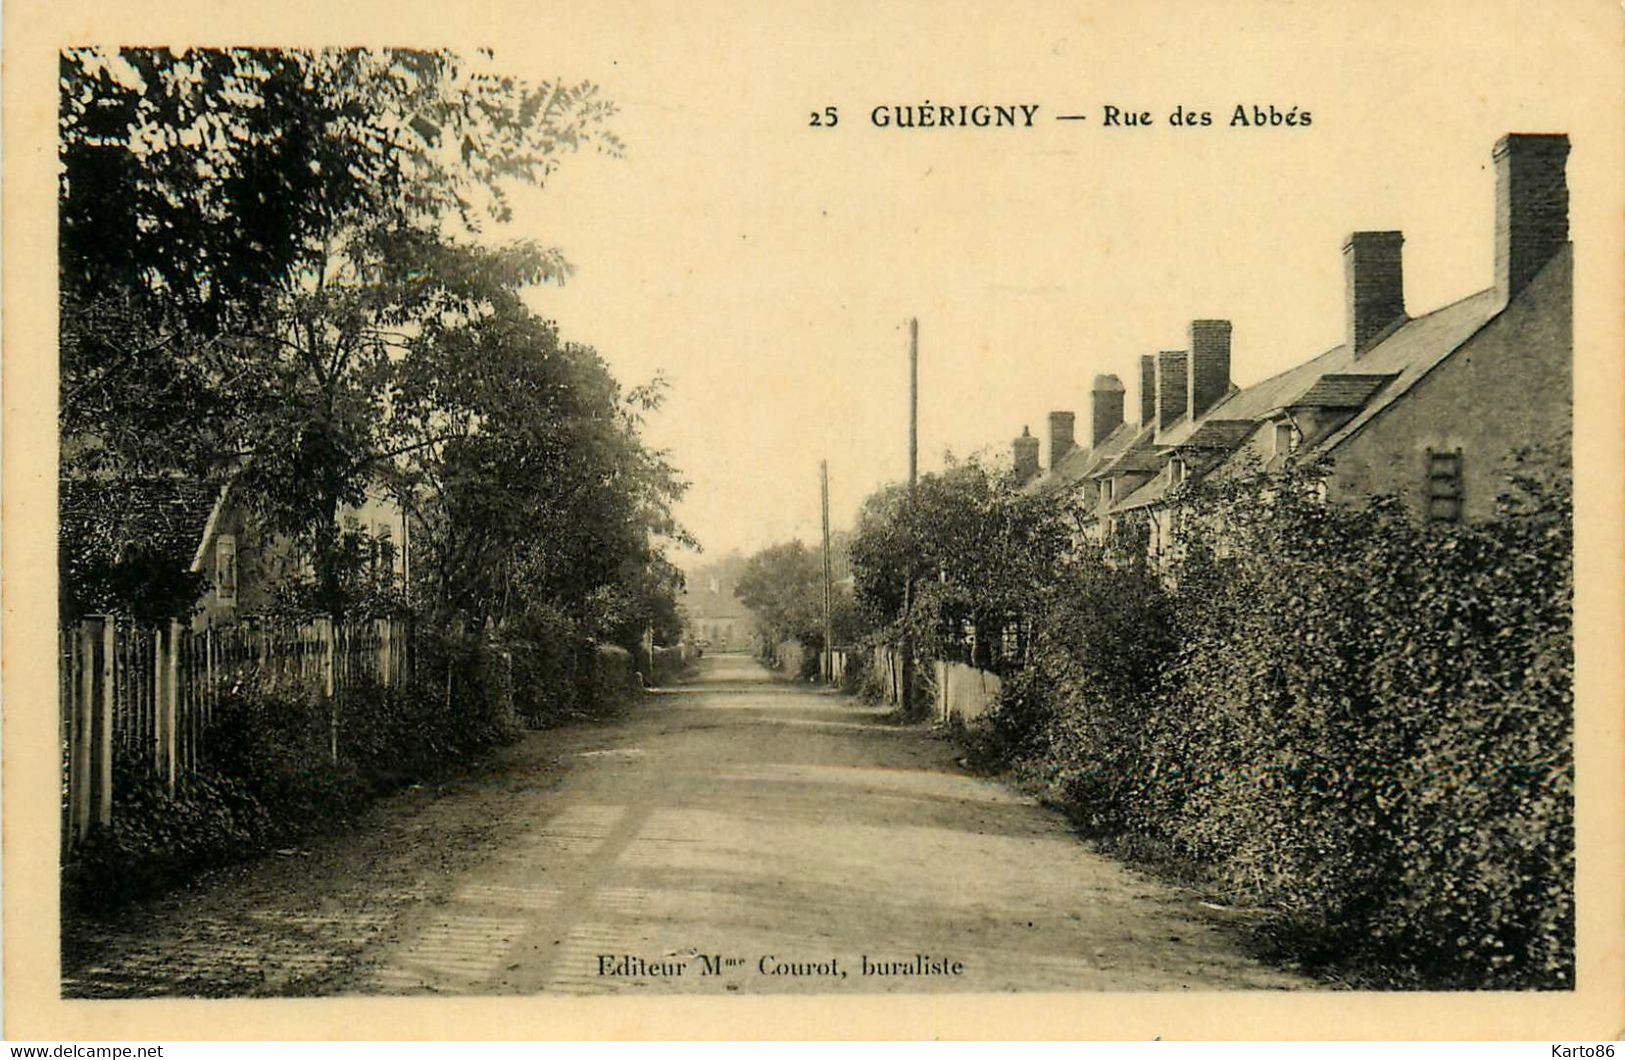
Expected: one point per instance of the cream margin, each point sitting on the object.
(1592, 56)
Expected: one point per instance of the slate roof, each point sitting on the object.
(1129, 439)
(1159, 487)
(1079, 464)
(1334, 379)
(164, 512)
(1343, 391)
(1218, 434)
(1147, 495)
(1435, 345)
(1404, 356)
(1139, 458)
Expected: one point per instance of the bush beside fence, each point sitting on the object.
(143, 697)
(268, 780)
(186, 748)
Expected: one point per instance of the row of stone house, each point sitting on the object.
(1428, 408)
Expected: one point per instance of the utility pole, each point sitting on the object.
(913, 403)
(907, 667)
(829, 598)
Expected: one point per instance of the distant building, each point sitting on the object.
(1427, 408)
(715, 615)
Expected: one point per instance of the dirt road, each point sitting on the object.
(736, 834)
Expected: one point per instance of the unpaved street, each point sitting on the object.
(738, 818)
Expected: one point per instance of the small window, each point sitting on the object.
(225, 567)
(1444, 494)
(1286, 438)
(1176, 471)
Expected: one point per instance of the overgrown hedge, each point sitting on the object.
(1358, 721)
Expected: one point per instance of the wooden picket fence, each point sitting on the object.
(150, 693)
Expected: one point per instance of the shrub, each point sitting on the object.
(473, 673)
(546, 648)
(856, 676)
(1360, 721)
(270, 778)
(1092, 682)
(156, 839)
(1373, 720)
(606, 679)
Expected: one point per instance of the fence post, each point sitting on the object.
(156, 699)
(328, 646)
(385, 676)
(194, 703)
(104, 729)
(208, 673)
(172, 686)
(79, 739)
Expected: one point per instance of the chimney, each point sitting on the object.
(1531, 206)
(1105, 407)
(1375, 284)
(1171, 387)
(1209, 373)
(1148, 390)
(1025, 451)
(1060, 436)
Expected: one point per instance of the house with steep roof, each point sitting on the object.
(1429, 409)
(162, 542)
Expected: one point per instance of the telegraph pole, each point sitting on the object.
(829, 599)
(913, 403)
(907, 667)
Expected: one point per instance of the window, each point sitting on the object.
(1286, 438)
(1444, 485)
(225, 567)
(381, 551)
(1176, 471)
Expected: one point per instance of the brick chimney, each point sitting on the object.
(1531, 206)
(1209, 372)
(1375, 284)
(1061, 441)
(1025, 451)
(1105, 407)
(1148, 390)
(1172, 388)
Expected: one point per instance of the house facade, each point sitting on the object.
(243, 562)
(715, 616)
(1430, 409)
(126, 542)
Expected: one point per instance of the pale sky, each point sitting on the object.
(767, 268)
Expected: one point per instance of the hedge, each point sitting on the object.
(1358, 721)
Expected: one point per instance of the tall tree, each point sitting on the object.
(526, 456)
(241, 237)
(978, 546)
(783, 585)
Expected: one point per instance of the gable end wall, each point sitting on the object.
(1508, 386)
